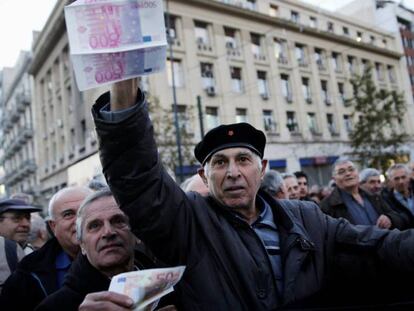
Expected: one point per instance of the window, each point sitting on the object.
(230, 38)
(345, 31)
(324, 92)
(347, 123)
(319, 58)
(175, 67)
(359, 36)
(292, 124)
(256, 47)
(241, 115)
(286, 91)
(273, 10)
(312, 124)
(391, 73)
(379, 72)
(372, 39)
(331, 123)
(236, 80)
(330, 27)
(294, 17)
(212, 119)
(207, 75)
(336, 62)
(341, 91)
(300, 54)
(280, 47)
(171, 22)
(351, 64)
(269, 122)
(201, 33)
(182, 118)
(313, 22)
(306, 90)
(250, 4)
(365, 65)
(384, 43)
(262, 84)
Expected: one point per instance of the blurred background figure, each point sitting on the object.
(98, 182)
(196, 184)
(38, 233)
(273, 184)
(369, 180)
(292, 187)
(303, 184)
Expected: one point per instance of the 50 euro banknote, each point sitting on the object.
(146, 287)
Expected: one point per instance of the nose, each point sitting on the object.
(233, 170)
(25, 221)
(108, 230)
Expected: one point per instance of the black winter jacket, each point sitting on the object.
(389, 197)
(34, 279)
(334, 206)
(227, 265)
(83, 279)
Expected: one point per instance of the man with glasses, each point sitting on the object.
(41, 273)
(356, 205)
(15, 221)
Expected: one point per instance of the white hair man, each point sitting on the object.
(42, 272)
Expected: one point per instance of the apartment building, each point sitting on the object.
(395, 18)
(281, 65)
(16, 130)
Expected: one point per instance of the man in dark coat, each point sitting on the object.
(108, 248)
(243, 249)
(42, 272)
(358, 206)
(400, 195)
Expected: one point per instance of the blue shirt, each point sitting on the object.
(407, 202)
(62, 265)
(364, 214)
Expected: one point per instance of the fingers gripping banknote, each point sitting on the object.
(146, 287)
(114, 40)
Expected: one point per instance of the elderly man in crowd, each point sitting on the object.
(291, 185)
(42, 272)
(15, 221)
(195, 183)
(273, 184)
(400, 196)
(108, 248)
(38, 232)
(369, 180)
(223, 238)
(349, 201)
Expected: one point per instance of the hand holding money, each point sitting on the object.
(106, 301)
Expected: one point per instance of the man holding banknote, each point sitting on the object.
(108, 248)
(243, 249)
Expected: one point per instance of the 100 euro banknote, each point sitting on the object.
(146, 287)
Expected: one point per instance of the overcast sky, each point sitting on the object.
(18, 18)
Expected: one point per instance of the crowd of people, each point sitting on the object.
(251, 238)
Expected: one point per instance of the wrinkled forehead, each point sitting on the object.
(344, 165)
(399, 172)
(102, 209)
(232, 152)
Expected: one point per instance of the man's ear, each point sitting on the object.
(52, 225)
(82, 249)
(201, 172)
(264, 165)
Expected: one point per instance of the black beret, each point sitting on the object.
(17, 205)
(230, 136)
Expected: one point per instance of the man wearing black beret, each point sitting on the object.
(243, 249)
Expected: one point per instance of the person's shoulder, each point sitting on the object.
(46, 254)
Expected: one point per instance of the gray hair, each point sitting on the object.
(57, 195)
(397, 166)
(288, 175)
(37, 224)
(366, 173)
(104, 192)
(272, 182)
(339, 162)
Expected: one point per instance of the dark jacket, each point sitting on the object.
(34, 279)
(227, 265)
(334, 206)
(389, 197)
(83, 279)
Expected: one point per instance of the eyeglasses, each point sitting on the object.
(343, 171)
(17, 217)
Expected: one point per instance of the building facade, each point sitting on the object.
(281, 65)
(17, 130)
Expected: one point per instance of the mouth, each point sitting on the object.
(110, 246)
(234, 190)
